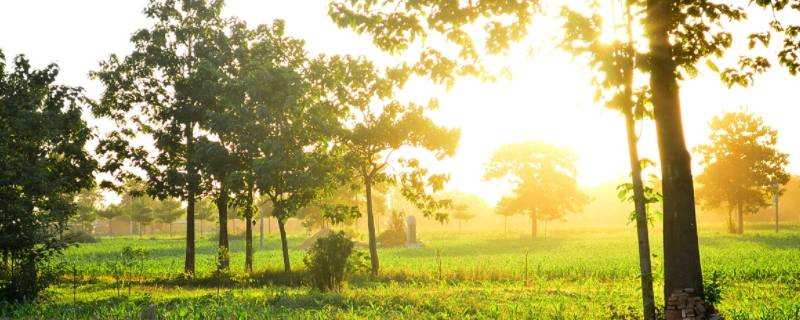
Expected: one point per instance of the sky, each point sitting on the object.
(549, 97)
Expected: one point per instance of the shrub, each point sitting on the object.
(396, 234)
(78, 236)
(327, 261)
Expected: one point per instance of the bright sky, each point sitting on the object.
(549, 97)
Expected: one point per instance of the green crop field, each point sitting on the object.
(570, 274)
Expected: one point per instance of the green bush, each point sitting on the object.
(78, 236)
(396, 234)
(327, 261)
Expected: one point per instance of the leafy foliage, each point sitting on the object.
(742, 165)
(327, 261)
(543, 177)
(42, 163)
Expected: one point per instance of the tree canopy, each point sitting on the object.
(543, 178)
(742, 167)
(43, 161)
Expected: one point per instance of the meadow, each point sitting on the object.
(570, 274)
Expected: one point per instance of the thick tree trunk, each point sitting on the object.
(222, 212)
(284, 247)
(190, 199)
(110, 227)
(373, 245)
(681, 252)
(248, 249)
(534, 226)
(740, 225)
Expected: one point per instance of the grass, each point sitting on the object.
(571, 274)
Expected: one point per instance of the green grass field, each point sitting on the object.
(571, 274)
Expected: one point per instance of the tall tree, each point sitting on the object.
(278, 134)
(375, 126)
(543, 177)
(742, 166)
(614, 65)
(42, 162)
(163, 90)
(679, 37)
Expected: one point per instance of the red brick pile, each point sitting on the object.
(684, 304)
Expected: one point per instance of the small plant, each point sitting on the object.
(327, 261)
(712, 289)
(130, 262)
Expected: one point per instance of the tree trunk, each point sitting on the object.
(640, 205)
(170, 230)
(284, 247)
(248, 234)
(740, 225)
(505, 222)
(534, 226)
(645, 267)
(731, 226)
(222, 241)
(681, 252)
(202, 228)
(373, 245)
(190, 200)
(110, 227)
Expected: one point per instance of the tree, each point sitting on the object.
(42, 162)
(279, 134)
(87, 203)
(465, 206)
(140, 209)
(168, 211)
(614, 65)
(678, 35)
(741, 164)
(204, 211)
(375, 126)
(109, 213)
(543, 177)
(162, 90)
(462, 213)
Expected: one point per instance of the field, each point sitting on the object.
(570, 274)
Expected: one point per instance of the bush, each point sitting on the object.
(78, 236)
(327, 261)
(392, 238)
(396, 234)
